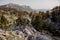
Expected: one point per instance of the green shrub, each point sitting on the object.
(1, 38)
(3, 22)
(37, 22)
(22, 21)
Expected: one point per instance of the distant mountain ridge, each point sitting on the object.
(18, 7)
(22, 7)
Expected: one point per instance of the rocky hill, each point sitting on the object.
(20, 25)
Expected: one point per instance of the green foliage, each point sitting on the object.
(22, 21)
(37, 22)
(56, 14)
(3, 22)
(6, 27)
(1, 38)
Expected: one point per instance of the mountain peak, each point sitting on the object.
(18, 7)
(12, 4)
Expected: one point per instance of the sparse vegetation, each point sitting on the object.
(49, 21)
(1, 38)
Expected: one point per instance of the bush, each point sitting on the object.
(37, 22)
(3, 22)
(22, 21)
(1, 38)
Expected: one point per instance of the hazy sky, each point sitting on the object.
(35, 4)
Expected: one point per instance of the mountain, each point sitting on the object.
(22, 7)
(42, 10)
(17, 27)
(18, 7)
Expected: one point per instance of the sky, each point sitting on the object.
(35, 4)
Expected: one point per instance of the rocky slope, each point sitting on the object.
(16, 31)
(16, 25)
